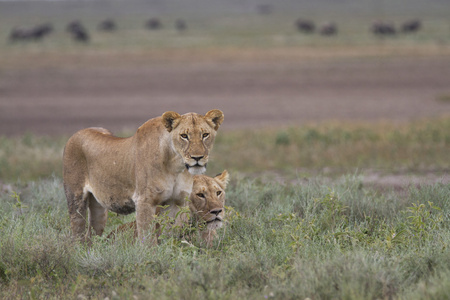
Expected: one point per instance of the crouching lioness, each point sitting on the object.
(154, 167)
(206, 204)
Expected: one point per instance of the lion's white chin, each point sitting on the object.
(197, 170)
(214, 225)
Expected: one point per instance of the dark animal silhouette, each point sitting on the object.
(73, 25)
(411, 26)
(42, 30)
(383, 29)
(305, 26)
(19, 34)
(328, 29)
(180, 25)
(107, 25)
(35, 33)
(78, 32)
(153, 24)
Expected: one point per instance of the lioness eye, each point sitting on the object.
(205, 135)
(184, 136)
(219, 192)
(201, 195)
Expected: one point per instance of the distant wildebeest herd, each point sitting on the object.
(378, 28)
(308, 27)
(79, 32)
(383, 28)
(35, 33)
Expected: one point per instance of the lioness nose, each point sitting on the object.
(197, 158)
(216, 211)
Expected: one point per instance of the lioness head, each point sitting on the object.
(206, 205)
(193, 136)
(207, 199)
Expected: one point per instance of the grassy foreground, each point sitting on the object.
(339, 148)
(319, 241)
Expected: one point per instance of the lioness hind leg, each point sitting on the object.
(77, 204)
(97, 217)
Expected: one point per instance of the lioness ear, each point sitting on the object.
(215, 118)
(170, 120)
(223, 179)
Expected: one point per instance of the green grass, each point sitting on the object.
(416, 146)
(339, 148)
(30, 157)
(338, 240)
(320, 239)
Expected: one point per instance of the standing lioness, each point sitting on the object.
(153, 167)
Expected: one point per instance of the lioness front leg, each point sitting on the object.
(175, 211)
(145, 215)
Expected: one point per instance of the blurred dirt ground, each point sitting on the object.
(121, 93)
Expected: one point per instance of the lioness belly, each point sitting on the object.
(118, 204)
(113, 200)
(123, 207)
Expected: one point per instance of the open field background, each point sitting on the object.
(257, 68)
(338, 148)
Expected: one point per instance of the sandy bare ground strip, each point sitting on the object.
(61, 100)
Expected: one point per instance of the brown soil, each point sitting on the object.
(62, 98)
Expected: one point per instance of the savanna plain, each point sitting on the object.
(338, 149)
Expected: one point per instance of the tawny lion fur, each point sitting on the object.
(154, 167)
(206, 204)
